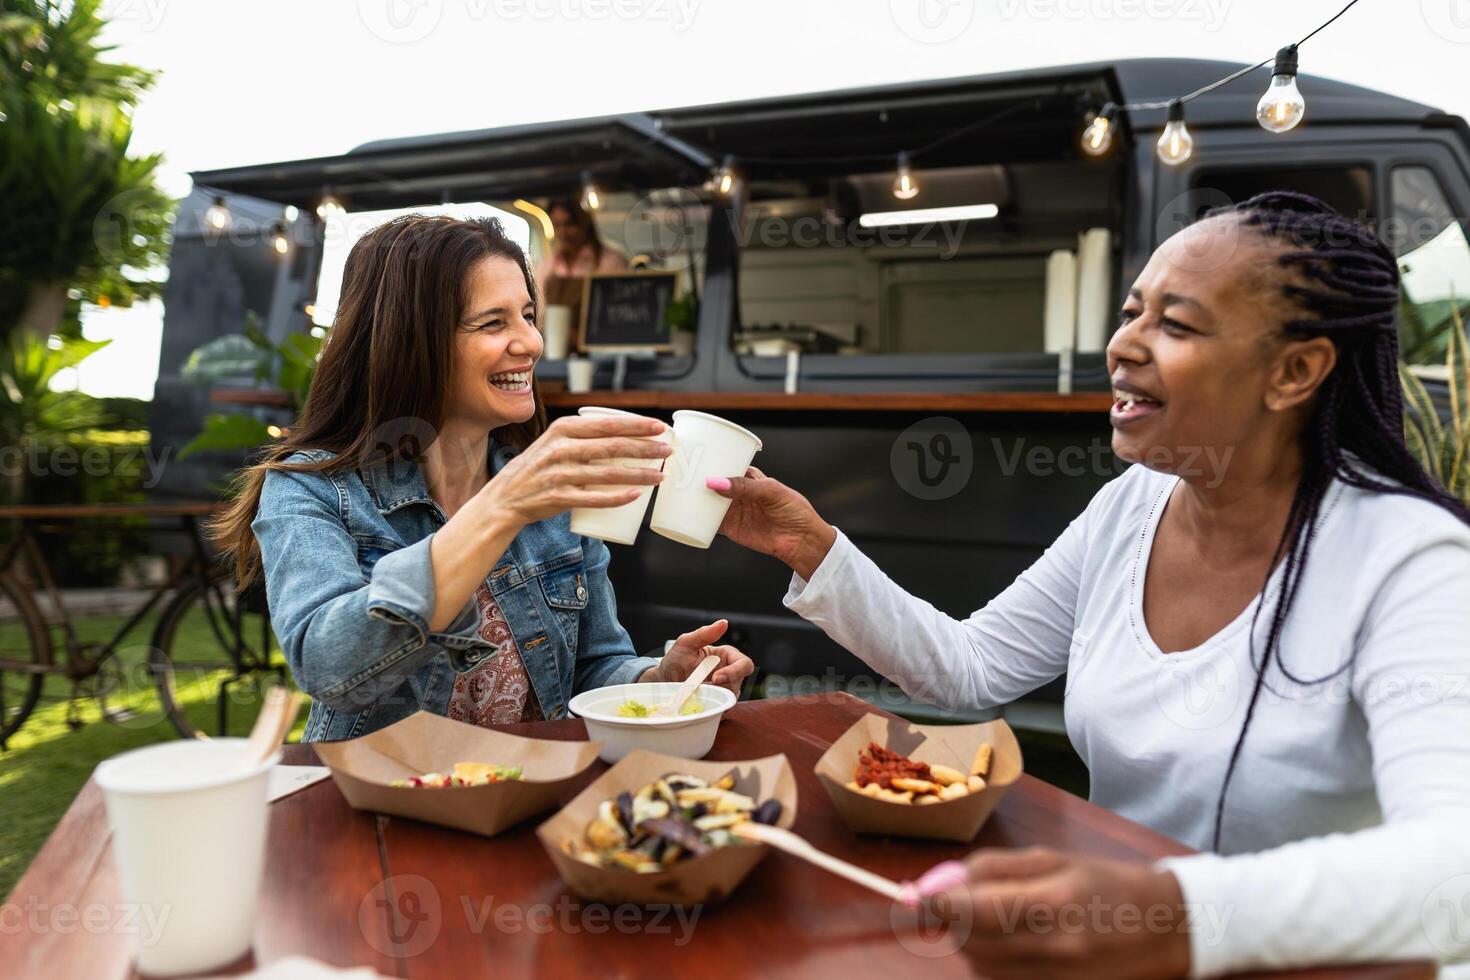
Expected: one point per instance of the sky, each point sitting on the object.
(264, 80)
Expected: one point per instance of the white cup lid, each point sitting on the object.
(179, 767)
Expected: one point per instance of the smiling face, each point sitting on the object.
(496, 348)
(1200, 363)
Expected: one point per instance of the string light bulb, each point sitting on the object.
(1282, 107)
(217, 216)
(591, 196)
(1097, 138)
(329, 206)
(725, 176)
(905, 187)
(279, 241)
(1175, 143)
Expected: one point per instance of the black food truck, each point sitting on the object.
(904, 290)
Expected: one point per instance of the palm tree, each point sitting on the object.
(84, 217)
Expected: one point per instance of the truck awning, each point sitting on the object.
(499, 164)
(999, 118)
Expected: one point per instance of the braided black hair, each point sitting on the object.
(1345, 282)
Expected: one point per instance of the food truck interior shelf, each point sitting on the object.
(991, 401)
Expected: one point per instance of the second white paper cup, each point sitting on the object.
(705, 445)
(619, 525)
(556, 326)
(580, 374)
(188, 835)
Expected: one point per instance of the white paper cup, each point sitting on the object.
(580, 371)
(617, 524)
(188, 835)
(705, 445)
(556, 329)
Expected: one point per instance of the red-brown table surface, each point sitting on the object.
(415, 900)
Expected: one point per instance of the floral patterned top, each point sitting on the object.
(499, 690)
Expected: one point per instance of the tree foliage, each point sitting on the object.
(81, 213)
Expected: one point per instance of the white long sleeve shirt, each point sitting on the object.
(1346, 834)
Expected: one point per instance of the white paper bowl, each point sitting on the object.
(686, 736)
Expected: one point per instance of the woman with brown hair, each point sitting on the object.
(412, 528)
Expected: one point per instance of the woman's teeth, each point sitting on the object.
(1126, 402)
(511, 380)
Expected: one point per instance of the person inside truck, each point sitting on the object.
(1264, 626)
(576, 248)
(412, 527)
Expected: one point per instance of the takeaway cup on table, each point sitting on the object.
(188, 825)
(556, 326)
(617, 524)
(580, 373)
(705, 445)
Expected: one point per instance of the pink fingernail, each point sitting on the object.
(719, 483)
(940, 878)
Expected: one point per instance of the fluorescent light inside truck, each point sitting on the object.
(965, 212)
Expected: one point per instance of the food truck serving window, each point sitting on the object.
(845, 266)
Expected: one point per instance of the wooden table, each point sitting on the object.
(342, 886)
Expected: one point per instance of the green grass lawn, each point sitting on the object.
(47, 762)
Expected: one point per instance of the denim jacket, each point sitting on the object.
(351, 590)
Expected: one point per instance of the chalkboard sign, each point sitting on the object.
(625, 311)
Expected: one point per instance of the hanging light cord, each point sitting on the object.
(1139, 106)
(996, 117)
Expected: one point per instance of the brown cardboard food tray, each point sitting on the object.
(426, 742)
(950, 745)
(691, 882)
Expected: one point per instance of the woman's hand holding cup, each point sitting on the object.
(768, 516)
(574, 464)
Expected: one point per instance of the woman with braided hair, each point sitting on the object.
(1265, 628)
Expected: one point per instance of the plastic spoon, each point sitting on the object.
(271, 726)
(696, 677)
(939, 878)
(785, 840)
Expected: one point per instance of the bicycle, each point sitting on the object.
(207, 640)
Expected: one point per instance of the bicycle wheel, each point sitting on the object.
(213, 658)
(24, 639)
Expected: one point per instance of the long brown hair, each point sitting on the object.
(380, 388)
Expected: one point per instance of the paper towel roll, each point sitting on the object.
(1059, 321)
(1094, 289)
